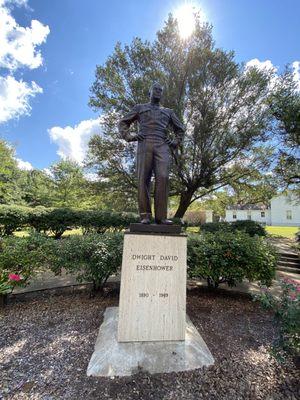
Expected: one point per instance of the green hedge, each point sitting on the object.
(230, 257)
(248, 226)
(56, 221)
(91, 258)
(12, 218)
(221, 257)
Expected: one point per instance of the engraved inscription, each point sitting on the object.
(143, 294)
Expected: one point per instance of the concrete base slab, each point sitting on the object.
(111, 358)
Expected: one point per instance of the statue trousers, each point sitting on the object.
(153, 156)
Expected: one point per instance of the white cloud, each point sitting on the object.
(18, 44)
(14, 97)
(72, 142)
(91, 176)
(268, 66)
(24, 165)
(261, 65)
(48, 172)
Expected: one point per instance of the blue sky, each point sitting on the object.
(81, 34)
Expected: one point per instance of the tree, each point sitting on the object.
(68, 183)
(37, 188)
(223, 105)
(285, 107)
(9, 173)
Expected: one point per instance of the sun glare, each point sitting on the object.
(185, 15)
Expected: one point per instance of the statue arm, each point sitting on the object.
(178, 128)
(125, 122)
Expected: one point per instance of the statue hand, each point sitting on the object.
(172, 143)
(130, 138)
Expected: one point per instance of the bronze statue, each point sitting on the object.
(153, 152)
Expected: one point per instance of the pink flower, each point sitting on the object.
(14, 277)
(293, 296)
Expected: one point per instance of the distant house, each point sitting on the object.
(283, 210)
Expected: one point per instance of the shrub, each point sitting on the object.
(231, 257)
(286, 306)
(248, 226)
(92, 257)
(216, 227)
(38, 218)
(58, 220)
(23, 256)
(100, 221)
(53, 220)
(12, 218)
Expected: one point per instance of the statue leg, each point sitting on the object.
(144, 172)
(161, 171)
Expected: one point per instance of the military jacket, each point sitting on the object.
(154, 122)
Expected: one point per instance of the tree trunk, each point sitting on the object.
(185, 201)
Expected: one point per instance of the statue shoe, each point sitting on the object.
(145, 221)
(165, 222)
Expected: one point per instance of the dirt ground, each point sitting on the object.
(47, 339)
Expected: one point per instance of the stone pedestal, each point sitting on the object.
(153, 288)
(112, 358)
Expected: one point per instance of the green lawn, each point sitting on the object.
(283, 231)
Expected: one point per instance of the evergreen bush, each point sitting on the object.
(247, 226)
(230, 257)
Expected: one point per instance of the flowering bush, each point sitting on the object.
(92, 257)
(227, 257)
(287, 310)
(8, 282)
(24, 256)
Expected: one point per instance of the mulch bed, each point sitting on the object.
(47, 339)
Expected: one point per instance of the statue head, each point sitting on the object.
(155, 92)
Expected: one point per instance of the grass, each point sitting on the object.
(278, 231)
(283, 231)
(25, 233)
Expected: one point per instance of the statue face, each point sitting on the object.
(156, 92)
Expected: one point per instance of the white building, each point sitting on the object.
(284, 210)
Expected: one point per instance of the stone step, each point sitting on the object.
(289, 255)
(289, 259)
(289, 263)
(288, 269)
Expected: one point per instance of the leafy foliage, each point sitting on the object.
(287, 310)
(12, 218)
(9, 191)
(24, 257)
(230, 257)
(56, 221)
(92, 258)
(222, 103)
(285, 106)
(250, 227)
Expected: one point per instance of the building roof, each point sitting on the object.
(248, 207)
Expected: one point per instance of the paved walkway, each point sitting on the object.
(46, 281)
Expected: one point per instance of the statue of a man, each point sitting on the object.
(153, 152)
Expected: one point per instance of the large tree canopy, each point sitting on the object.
(285, 106)
(222, 103)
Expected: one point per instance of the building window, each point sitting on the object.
(248, 214)
(263, 214)
(288, 214)
(234, 215)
